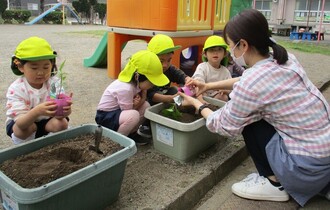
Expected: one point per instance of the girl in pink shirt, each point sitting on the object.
(29, 114)
(123, 103)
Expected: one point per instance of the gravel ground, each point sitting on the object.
(151, 180)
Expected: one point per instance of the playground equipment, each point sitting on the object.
(99, 58)
(62, 3)
(187, 22)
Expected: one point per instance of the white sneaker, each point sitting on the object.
(17, 140)
(258, 188)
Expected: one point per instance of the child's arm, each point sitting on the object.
(24, 121)
(200, 98)
(176, 75)
(157, 98)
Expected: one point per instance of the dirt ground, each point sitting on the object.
(151, 179)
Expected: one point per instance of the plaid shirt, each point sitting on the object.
(284, 97)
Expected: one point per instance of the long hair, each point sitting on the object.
(252, 26)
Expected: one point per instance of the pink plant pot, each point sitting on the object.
(186, 91)
(61, 102)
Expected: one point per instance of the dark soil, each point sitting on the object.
(57, 160)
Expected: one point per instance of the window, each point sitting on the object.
(310, 10)
(264, 7)
(31, 6)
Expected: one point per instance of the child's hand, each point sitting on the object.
(47, 108)
(137, 101)
(67, 109)
(221, 95)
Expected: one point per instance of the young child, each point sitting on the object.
(29, 114)
(123, 103)
(163, 46)
(214, 66)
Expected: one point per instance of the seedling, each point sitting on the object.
(172, 112)
(56, 88)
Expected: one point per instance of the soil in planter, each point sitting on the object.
(189, 113)
(57, 160)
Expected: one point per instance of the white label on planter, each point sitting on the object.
(164, 135)
(7, 202)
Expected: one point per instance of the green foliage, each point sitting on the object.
(55, 91)
(3, 6)
(92, 2)
(20, 16)
(99, 33)
(102, 10)
(62, 75)
(172, 112)
(55, 17)
(82, 6)
(308, 47)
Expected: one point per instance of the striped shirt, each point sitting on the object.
(284, 97)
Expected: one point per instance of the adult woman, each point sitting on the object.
(284, 119)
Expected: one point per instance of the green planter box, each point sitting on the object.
(94, 187)
(177, 140)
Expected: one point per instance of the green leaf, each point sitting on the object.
(172, 112)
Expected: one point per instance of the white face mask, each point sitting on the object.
(240, 60)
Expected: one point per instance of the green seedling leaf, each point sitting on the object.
(172, 112)
(62, 75)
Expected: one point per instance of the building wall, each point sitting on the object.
(283, 14)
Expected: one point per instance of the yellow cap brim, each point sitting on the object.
(160, 80)
(169, 50)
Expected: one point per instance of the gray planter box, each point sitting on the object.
(93, 187)
(177, 140)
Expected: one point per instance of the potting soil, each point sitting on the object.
(57, 160)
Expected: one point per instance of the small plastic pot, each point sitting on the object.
(61, 102)
(186, 91)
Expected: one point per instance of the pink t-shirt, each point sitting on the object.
(21, 97)
(118, 95)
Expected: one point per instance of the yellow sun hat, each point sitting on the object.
(162, 44)
(32, 49)
(146, 63)
(215, 41)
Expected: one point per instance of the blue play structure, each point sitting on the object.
(51, 10)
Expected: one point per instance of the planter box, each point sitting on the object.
(180, 141)
(93, 187)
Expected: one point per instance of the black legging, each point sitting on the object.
(256, 137)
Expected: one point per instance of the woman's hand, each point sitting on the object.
(190, 101)
(200, 87)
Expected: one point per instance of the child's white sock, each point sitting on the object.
(17, 140)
